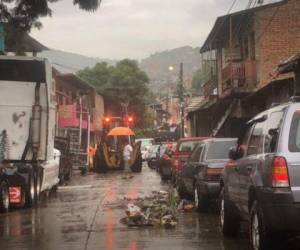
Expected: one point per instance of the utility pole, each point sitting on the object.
(181, 98)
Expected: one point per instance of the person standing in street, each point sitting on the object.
(127, 154)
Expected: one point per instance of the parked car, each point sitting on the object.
(261, 183)
(161, 152)
(153, 156)
(182, 152)
(200, 178)
(165, 163)
(213, 158)
(146, 143)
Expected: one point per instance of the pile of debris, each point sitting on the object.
(158, 209)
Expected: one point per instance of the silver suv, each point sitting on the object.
(261, 182)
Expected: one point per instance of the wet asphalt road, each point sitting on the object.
(85, 215)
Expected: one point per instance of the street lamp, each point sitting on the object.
(171, 68)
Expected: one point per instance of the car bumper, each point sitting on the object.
(209, 189)
(279, 210)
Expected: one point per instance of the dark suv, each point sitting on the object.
(261, 183)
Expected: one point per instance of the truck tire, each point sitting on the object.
(229, 220)
(259, 235)
(33, 189)
(4, 197)
(99, 162)
(138, 164)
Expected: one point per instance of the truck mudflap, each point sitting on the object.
(17, 190)
(15, 195)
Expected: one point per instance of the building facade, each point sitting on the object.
(248, 46)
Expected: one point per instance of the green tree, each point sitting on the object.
(24, 14)
(123, 83)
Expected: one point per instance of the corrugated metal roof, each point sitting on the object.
(200, 104)
(194, 103)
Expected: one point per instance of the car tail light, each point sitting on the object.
(213, 173)
(280, 175)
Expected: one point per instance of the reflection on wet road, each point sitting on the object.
(86, 216)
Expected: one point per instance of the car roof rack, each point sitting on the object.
(295, 99)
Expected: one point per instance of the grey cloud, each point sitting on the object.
(131, 28)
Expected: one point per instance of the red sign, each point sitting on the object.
(15, 195)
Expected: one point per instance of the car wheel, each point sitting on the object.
(258, 233)
(229, 220)
(4, 197)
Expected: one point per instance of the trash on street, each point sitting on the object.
(159, 209)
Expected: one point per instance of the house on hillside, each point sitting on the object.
(248, 46)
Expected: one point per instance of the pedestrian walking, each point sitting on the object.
(127, 155)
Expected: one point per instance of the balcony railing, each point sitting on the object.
(68, 117)
(209, 87)
(239, 75)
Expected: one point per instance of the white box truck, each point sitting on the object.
(29, 163)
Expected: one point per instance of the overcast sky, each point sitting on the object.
(131, 28)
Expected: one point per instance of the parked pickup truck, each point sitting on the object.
(29, 163)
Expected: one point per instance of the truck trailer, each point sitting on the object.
(29, 163)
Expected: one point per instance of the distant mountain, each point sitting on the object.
(157, 66)
(67, 62)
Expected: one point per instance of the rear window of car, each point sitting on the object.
(219, 149)
(294, 136)
(187, 146)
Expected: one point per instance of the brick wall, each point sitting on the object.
(280, 39)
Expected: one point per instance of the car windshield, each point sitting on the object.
(187, 146)
(219, 149)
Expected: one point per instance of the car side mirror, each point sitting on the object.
(236, 153)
